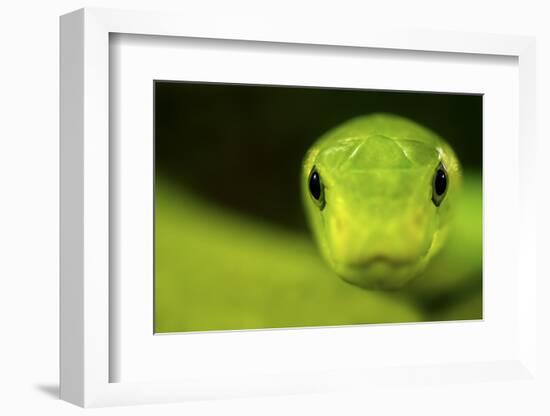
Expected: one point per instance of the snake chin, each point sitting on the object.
(379, 273)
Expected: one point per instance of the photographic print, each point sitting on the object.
(282, 206)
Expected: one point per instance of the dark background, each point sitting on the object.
(241, 146)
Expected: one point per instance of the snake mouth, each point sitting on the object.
(379, 260)
(379, 272)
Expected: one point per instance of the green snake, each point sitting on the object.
(379, 192)
(389, 209)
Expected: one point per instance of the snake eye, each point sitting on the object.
(316, 188)
(440, 183)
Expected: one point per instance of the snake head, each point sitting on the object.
(378, 193)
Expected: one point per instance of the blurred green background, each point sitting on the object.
(232, 247)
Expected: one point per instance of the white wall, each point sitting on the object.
(29, 186)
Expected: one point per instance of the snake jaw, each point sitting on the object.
(373, 274)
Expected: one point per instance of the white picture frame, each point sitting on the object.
(87, 302)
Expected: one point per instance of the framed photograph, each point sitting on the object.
(261, 211)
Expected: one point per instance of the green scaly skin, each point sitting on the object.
(377, 226)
